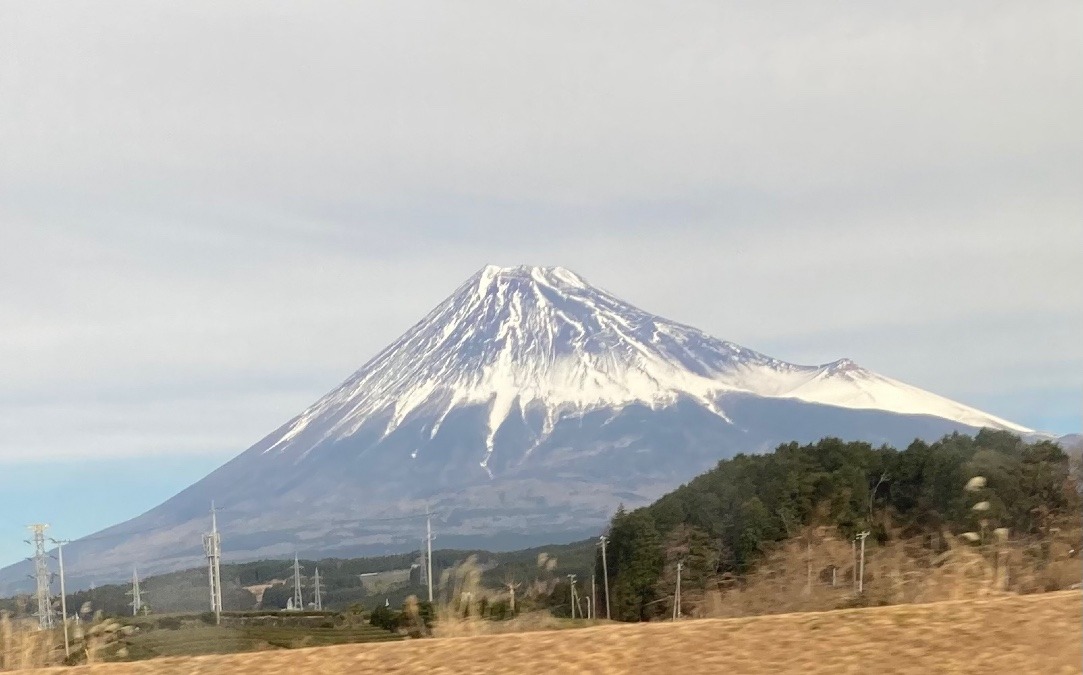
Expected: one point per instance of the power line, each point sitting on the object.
(156, 528)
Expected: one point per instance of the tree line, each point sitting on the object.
(722, 523)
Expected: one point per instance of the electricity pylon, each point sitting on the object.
(212, 547)
(298, 601)
(136, 593)
(41, 576)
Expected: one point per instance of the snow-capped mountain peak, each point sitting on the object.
(841, 366)
(549, 276)
(526, 339)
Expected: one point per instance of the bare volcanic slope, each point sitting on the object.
(522, 409)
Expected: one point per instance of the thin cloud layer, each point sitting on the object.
(212, 213)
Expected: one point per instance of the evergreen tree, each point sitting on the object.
(635, 561)
(723, 521)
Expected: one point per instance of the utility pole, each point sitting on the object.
(41, 576)
(808, 565)
(428, 549)
(571, 585)
(63, 594)
(853, 560)
(423, 576)
(136, 593)
(605, 575)
(318, 598)
(298, 601)
(212, 547)
(861, 574)
(593, 598)
(511, 593)
(677, 594)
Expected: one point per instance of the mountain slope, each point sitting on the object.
(523, 409)
(530, 339)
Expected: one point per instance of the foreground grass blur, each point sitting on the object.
(1012, 634)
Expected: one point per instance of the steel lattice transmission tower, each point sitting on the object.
(318, 598)
(298, 601)
(137, 595)
(212, 546)
(41, 575)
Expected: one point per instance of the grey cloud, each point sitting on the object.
(223, 195)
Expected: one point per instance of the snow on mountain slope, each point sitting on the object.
(521, 339)
(847, 385)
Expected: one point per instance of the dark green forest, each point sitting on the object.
(723, 523)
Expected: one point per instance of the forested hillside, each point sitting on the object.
(725, 523)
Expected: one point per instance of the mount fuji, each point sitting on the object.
(522, 410)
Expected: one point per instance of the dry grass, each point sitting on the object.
(457, 615)
(1012, 634)
(797, 575)
(22, 645)
(960, 610)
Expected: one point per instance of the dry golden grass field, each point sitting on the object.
(1019, 634)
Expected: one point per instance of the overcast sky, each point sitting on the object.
(211, 213)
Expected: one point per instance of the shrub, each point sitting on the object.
(384, 618)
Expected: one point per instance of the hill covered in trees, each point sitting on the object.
(729, 524)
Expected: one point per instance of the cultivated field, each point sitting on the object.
(1019, 634)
